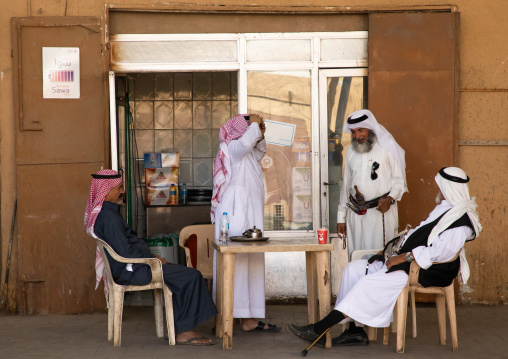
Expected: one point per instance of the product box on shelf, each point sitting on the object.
(161, 177)
(170, 159)
(153, 160)
(157, 196)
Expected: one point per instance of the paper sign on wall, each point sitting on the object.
(279, 133)
(60, 72)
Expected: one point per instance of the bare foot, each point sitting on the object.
(197, 339)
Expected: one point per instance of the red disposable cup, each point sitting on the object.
(322, 234)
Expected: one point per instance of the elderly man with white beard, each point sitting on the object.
(374, 180)
(368, 293)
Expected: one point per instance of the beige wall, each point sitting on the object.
(483, 84)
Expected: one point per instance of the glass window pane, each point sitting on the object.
(278, 50)
(126, 52)
(343, 49)
(285, 97)
(344, 96)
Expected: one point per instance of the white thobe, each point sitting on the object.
(366, 231)
(369, 299)
(243, 200)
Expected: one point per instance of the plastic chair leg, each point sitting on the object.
(118, 318)
(441, 317)
(157, 306)
(401, 320)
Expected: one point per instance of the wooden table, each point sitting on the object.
(318, 278)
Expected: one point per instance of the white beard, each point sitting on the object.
(439, 198)
(366, 146)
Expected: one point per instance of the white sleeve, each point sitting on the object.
(397, 180)
(239, 148)
(444, 248)
(259, 150)
(344, 191)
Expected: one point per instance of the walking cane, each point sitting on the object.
(305, 351)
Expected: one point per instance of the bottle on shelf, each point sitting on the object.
(184, 194)
(224, 228)
(173, 197)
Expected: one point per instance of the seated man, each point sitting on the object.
(369, 299)
(192, 303)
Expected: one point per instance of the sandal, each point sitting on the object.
(261, 328)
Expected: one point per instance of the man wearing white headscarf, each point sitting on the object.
(369, 299)
(192, 304)
(374, 180)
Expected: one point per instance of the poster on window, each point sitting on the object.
(60, 72)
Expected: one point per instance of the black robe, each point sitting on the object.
(192, 303)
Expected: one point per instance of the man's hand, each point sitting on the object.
(163, 260)
(393, 261)
(384, 204)
(341, 228)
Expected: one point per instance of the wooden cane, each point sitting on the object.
(305, 351)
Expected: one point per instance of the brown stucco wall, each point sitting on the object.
(483, 99)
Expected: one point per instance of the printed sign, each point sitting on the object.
(60, 72)
(279, 133)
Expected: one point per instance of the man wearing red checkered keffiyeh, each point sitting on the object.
(102, 183)
(192, 304)
(238, 190)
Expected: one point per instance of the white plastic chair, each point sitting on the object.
(444, 295)
(116, 296)
(205, 234)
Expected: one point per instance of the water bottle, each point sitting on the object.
(184, 194)
(224, 228)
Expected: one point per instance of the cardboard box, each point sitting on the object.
(153, 160)
(160, 196)
(161, 177)
(170, 159)
(157, 196)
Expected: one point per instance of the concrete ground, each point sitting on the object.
(483, 333)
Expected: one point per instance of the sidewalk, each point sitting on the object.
(482, 330)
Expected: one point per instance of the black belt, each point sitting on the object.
(357, 207)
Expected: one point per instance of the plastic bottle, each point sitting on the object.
(224, 228)
(184, 194)
(173, 198)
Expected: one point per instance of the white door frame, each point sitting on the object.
(324, 74)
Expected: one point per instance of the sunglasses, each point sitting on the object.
(373, 174)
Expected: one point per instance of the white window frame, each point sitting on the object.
(243, 66)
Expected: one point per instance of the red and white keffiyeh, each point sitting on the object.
(99, 189)
(230, 131)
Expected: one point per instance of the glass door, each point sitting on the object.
(341, 92)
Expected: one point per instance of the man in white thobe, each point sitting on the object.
(375, 165)
(238, 190)
(369, 299)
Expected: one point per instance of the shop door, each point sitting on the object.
(341, 92)
(59, 143)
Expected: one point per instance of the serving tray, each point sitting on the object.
(247, 239)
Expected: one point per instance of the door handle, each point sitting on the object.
(330, 184)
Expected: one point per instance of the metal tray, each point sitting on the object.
(247, 239)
